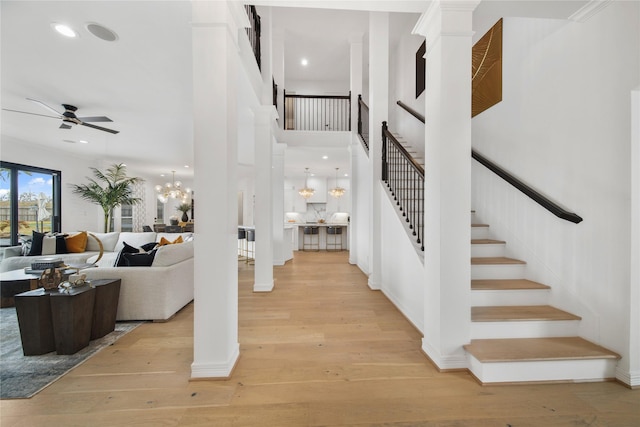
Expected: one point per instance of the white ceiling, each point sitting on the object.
(142, 81)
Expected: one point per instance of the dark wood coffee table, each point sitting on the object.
(14, 282)
(66, 322)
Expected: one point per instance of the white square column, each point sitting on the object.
(215, 28)
(378, 112)
(447, 26)
(264, 119)
(355, 74)
(277, 189)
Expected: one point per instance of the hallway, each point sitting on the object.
(320, 350)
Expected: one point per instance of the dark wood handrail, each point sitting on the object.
(363, 126)
(542, 200)
(539, 198)
(411, 111)
(417, 166)
(320, 96)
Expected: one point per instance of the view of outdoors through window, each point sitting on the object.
(33, 202)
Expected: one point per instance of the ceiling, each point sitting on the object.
(142, 81)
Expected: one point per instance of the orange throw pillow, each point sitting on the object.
(76, 243)
(164, 241)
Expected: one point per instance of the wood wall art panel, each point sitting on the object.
(486, 70)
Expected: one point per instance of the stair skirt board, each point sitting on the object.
(571, 370)
(481, 298)
(524, 329)
(498, 271)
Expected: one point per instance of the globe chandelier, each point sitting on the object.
(337, 191)
(306, 191)
(172, 190)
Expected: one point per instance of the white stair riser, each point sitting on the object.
(509, 297)
(480, 232)
(574, 370)
(524, 329)
(487, 250)
(498, 271)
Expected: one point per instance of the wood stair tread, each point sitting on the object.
(487, 242)
(519, 313)
(479, 225)
(505, 284)
(536, 349)
(495, 261)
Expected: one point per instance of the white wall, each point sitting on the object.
(564, 128)
(361, 217)
(402, 87)
(318, 87)
(402, 269)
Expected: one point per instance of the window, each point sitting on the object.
(29, 200)
(126, 218)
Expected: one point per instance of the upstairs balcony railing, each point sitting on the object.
(405, 179)
(254, 32)
(317, 112)
(363, 123)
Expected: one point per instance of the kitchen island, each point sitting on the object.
(298, 235)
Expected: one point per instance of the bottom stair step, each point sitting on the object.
(521, 349)
(526, 360)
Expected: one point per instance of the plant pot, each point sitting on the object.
(185, 217)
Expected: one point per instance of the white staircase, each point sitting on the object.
(515, 335)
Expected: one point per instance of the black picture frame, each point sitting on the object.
(421, 65)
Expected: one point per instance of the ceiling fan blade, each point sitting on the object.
(99, 128)
(65, 126)
(45, 106)
(33, 114)
(95, 119)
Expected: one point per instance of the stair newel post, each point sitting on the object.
(384, 152)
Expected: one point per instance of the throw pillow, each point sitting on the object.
(45, 244)
(127, 249)
(164, 241)
(76, 243)
(141, 259)
(148, 246)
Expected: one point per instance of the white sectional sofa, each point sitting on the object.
(153, 293)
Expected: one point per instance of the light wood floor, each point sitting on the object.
(320, 350)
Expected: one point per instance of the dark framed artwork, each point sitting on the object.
(421, 64)
(486, 70)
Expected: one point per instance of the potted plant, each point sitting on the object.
(173, 220)
(109, 190)
(184, 208)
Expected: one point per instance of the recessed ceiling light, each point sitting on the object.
(346, 174)
(186, 166)
(82, 141)
(304, 62)
(101, 32)
(64, 29)
(325, 157)
(69, 141)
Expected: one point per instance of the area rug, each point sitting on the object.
(24, 376)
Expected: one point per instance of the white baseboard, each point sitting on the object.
(215, 370)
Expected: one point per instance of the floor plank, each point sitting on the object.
(322, 349)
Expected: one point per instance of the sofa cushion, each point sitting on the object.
(77, 242)
(140, 259)
(172, 254)
(172, 236)
(134, 239)
(108, 259)
(44, 244)
(108, 241)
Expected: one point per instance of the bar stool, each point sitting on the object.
(242, 240)
(334, 238)
(308, 241)
(251, 246)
